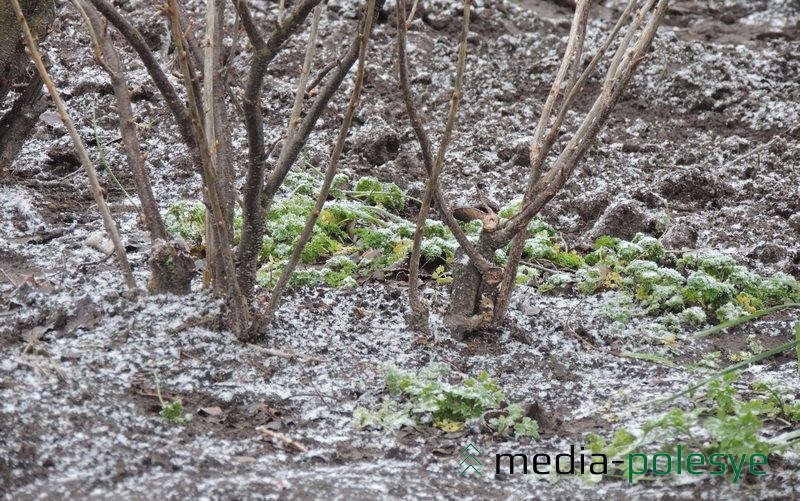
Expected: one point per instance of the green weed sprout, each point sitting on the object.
(171, 411)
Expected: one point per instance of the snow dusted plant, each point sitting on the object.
(481, 291)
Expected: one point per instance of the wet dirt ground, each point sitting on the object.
(702, 151)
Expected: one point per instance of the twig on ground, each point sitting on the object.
(291, 355)
(542, 268)
(10, 280)
(283, 438)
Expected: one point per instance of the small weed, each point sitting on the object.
(514, 419)
(171, 411)
(442, 275)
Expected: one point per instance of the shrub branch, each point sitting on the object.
(253, 211)
(80, 148)
(240, 323)
(108, 59)
(427, 157)
(330, 173)
(436, 168)
(620, 71)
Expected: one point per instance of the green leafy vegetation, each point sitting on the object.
(171, 411)
(515, 420)
(428, 398)
(719, 420)
(690, 290)
(362, 229)
(186, 219)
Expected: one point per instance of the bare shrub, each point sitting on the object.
(480, 292)
(205, 126)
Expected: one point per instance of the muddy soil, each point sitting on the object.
(702, 151)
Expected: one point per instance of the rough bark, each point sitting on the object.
(172, 269)
(472, 295)
(18, 121)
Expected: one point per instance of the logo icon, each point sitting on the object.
(470, 462)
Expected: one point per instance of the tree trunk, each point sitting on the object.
(471, 297)
(20, 119)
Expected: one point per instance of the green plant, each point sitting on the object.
(513, 419)
(719, 420)
(360, 230)
(442, 275)
(171, 411)
(375, 192)
(428, 398)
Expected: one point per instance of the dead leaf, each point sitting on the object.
(209, 411)
(468, 213)
(370, 254)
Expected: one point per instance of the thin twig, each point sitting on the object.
(578, 86)
(624, 64)
(410, 18)
(758, 149)
(291, 355)
(10, 280)
(537, 151)
(283, 438)
(80, 148)
(540, 267)
(108, 58)
(175, 104)
(433, 177)
(240, 323)
(425, 146)
(303, 80)
(305, 236)
(317, 79)
(101, 151)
